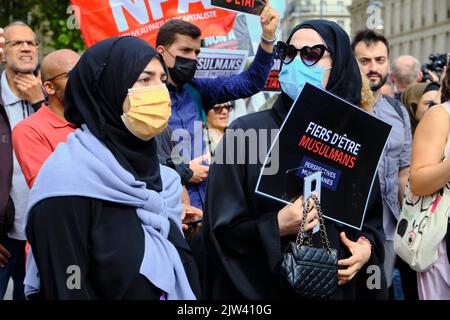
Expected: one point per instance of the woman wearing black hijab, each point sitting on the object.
(245, 233)
(104, 218)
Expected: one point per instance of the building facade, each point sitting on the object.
(298, 11)
(415, 27)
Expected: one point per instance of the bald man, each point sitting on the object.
(35, 138)
(405, 72)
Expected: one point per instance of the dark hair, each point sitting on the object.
(369, 37)
(168, 31)
(445, 95)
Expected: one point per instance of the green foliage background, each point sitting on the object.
(48, 18)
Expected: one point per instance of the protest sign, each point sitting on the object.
(237, 39)
(247, 6)
(272, 84)
(324, 133)
(213, 63)
(101, 19)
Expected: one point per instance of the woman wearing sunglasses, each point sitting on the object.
(245, 233)
(217, 118)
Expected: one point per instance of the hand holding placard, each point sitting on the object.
(247, 6)
(290, 218)
(325, 133)
(269, 22)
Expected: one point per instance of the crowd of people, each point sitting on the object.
(116, 165)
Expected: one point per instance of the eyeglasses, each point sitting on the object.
(67, 73)
(20, 43)
(309, 55)
(219, 109)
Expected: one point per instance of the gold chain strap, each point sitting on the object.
(307, 240)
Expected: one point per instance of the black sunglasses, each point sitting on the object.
(218, 110)
(309, 55)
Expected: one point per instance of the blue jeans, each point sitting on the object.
(15, 268)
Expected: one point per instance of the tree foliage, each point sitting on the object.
(50, 19)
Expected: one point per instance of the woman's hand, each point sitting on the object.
(361, 252)
(290, 218)
(190, 214)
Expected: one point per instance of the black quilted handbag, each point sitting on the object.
(310, 272)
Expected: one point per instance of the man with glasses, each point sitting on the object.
(20, 94)
(36, 137)
(217, 118)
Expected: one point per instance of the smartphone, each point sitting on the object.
(193, 223)
(313, 183)
(293, 185)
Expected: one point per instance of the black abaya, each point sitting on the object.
(105, 240)
(244, 248)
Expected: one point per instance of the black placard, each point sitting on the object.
(247, 6)
(324, 132)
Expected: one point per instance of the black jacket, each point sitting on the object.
(105, 240)
(244, 247)
(6, 171)
(7, 211)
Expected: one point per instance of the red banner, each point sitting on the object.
(102, 19)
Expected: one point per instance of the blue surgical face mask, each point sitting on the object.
(294, 75)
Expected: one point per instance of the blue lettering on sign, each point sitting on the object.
(330, 175)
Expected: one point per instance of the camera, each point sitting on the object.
(436, 64)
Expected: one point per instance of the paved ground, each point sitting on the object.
(8, 295)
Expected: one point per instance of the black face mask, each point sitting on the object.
(183, 71)
(380, 84)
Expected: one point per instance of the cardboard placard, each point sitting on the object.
(323, 132)
(272, 83)
(247, 6)
(214, 63)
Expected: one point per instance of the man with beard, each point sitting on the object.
(21, 94)
(36, 137)
(372, 52)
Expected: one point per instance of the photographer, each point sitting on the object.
(434, 70)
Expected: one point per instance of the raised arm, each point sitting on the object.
(428, 174)
(250, 82)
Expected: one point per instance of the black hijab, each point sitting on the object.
(95, 92)
(345, 77)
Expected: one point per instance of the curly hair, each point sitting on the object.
(367, 97)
